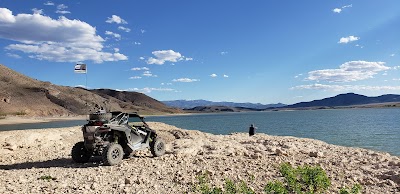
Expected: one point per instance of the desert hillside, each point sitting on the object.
(22, 95)
(190, 154)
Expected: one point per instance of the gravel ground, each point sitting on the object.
(28, 155)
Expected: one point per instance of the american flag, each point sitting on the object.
(80, 68)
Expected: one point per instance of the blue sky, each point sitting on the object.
(242, 51)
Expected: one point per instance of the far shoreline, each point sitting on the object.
(14, 120)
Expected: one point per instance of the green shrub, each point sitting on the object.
(230, 187)
(20, 113)
(204, 186)
(244, 188)
(3, 115)
(276, 187)
(303, 179)
(354, 190)
(47, 178)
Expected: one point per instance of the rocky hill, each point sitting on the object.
(22, 95)
(348, 99)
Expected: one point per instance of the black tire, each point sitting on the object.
(113, 154)
(80, 154)
(157, 147)
(128, 153)
(100, 116)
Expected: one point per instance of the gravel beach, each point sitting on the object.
(28, 155)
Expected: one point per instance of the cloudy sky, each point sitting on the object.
(258, 51)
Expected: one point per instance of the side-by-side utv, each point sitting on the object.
(115, 136)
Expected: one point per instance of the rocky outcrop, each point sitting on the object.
(5, 98)
(28, 156)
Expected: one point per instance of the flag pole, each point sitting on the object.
(86, 86)
(81, 68)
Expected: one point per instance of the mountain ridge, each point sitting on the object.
(347, 99)
(189, 104)
(22, 95)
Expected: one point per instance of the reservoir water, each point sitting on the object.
(376, 129)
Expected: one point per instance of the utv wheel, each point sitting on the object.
(157, 147)
(100, 116)
(80, 154)
(113, 154)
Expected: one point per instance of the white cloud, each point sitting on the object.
(62, 12)
(298, 75)
(149, 90)
(14, 55)
(138, 43)
(115, 35)
(140, 68)
(61, 9)
(187, 80)
(349, 71)
(116, 50)
(61, 40)
(135, 77)
(188, 59)
(223, 52)
(345, 40)
(392, 55)
(149, 74)
(396, 79)
(142, 31)
(396, 67)
(124, 29)
(226, 76)
(339, 10)
(48, 3)
(344, 87)
(213, 75)
(163, 56)
(357, 45)
(37, 11)
(116, 19)
(141, 58)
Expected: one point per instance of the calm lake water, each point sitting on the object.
(376, 129)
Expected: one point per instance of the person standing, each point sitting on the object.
(252, 130)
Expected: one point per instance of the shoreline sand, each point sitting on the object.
(27, 155)
(11, 120)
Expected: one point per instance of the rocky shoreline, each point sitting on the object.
(29, 155)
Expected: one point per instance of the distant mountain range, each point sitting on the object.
(349, 99)
(341, 100)
(190, 104)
